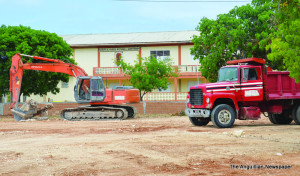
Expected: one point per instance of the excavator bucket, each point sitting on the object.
(29, 110)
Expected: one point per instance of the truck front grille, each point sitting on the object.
(196, 97)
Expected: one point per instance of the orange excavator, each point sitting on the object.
(105, 104)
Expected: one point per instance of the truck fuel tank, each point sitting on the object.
(249, 113)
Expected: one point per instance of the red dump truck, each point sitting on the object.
(245, 89)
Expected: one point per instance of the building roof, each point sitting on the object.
(142, 38)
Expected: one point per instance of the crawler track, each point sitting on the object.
(98, 113)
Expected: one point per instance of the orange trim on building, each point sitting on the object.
(175, 88)
(140, 55)
(140, 52)
(98, 58)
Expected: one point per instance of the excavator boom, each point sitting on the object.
(17, 68)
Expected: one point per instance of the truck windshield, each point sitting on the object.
(228, 74)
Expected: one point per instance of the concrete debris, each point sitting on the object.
(30, 109)
(42, 118)
(238, 133)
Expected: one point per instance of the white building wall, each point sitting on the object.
(130, 56)
(107, 59)
(186, 58)
(87, 58)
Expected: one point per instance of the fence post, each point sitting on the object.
(175, 86)
(144, 106)
(1, 108)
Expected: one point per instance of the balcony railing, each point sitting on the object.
(107, 70)
(165, 96)
(188, 68)
(115, 71)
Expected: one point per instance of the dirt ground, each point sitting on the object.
(147, 145)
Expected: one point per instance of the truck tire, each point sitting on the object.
(296, 114)
(283, 118)
(223, 116)
(272, 119)
(199, 121)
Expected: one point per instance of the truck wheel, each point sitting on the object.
(223, 116)
(282, 119)
(296, 114)
(271, 119)
(199, 121)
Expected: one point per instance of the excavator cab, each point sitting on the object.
(89, 89)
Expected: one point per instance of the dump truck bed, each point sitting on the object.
(280, 86)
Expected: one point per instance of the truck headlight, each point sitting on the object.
(207, 100)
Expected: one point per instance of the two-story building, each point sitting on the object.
(96, 54)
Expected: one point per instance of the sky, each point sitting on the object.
(66, 17)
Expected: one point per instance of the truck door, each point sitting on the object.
(251, 84)
(237, 87)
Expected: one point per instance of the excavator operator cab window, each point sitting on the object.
(89, 89)
(84, 89)
(97, 89)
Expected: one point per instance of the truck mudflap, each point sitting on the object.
(197, 112)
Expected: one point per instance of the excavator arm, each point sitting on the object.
(17, 68)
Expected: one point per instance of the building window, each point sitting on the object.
(160, 54)
(64, 84)
(118, 56)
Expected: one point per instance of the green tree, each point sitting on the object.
(285, 43)
(241, 33)
(148, 73)
(21, 39)
(4, 73)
